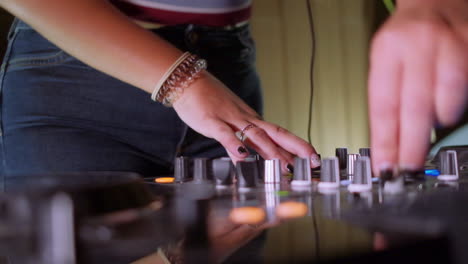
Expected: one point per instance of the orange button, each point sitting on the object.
(164, 180)
(291, 209)
(247, 215)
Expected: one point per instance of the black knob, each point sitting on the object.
(261, 167)
(342, 155)
(365, 152)
(247, 174)
(223, 171)
(181, 169)
(201, 172)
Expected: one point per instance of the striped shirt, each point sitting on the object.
(174, 12)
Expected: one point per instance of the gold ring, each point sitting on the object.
(241, 134)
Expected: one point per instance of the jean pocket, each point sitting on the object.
(29, 50)
(235, 47)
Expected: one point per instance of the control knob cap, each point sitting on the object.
(247, 174)
(342, 155)
(330, 174)
(181, 169)
(223, 171)
(201, 171)
(448, 166)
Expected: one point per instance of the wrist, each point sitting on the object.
(177, 78)
(202, 80)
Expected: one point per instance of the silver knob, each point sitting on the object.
(272, 171)
(448, 166)
(350, 164)
(330, 174)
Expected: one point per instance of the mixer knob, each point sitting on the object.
(350, 165)
(302, 172)
(201, 171)
(247, 174)
(272, 171)
(362, 180)
(330, 174)
(448, 166)
(261, 167)
(342, 155)
(365, 152)
(223, 171)
(181, 169)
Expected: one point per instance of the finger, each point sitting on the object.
(416, 114)
(384, 102)
(451, 82)
(290, 142)
(224, 134)
(259, 140)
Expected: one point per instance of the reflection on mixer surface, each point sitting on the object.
(211, 211)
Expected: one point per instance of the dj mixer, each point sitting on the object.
(212, 211)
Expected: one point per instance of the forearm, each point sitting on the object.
(99, 35)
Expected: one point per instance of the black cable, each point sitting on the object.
(311, 74)
(309, 124)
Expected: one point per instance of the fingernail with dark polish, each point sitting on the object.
(315, 161)
(242, 150)
(290, 168)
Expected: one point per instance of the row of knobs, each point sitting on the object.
(222, 172)
(248, 173)
(252, 171)
(362, 176)
(346, 160)
(448, 164)
(356, 167)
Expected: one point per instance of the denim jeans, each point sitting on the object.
(60, 115)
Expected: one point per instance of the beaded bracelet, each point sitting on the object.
(179, 76)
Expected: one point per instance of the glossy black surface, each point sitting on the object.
(120, 218)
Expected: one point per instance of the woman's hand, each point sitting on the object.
(214, 111)
(418, 77)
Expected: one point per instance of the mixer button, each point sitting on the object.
(291, 209)
(247, 215)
